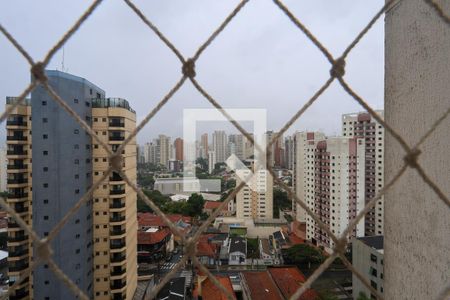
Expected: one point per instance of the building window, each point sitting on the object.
(45, 152)
(373, 258)
(44, 103)
(45, 201)
(45, 217)
(45, 169)
(75, 100)
(45, 185)
(373, 284)
(76, 131)
(45, 136)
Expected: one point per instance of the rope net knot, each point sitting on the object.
(38, 72)
(412, 157)
(338, 68)
(189, 68)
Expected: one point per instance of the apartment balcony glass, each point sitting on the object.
(17, 167)
(16, 138)
(116, 122)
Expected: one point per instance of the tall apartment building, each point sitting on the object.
(18, 153)
(277, 149)
(240, 144)
(303, 170)
(220, 145)
(163, 150)
(66, 162)
(255, 199)
(3, 168)
(114, 205)
(337, 192)
(363, 125)
(288, 160)
(178, 149)
(204, 146)
(211, 161)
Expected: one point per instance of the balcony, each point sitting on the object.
(19, 295)
(17, 238)
(21, 209)
(116, 138)
(18, 196)
(116, 123)
(17, 167)
(118, 258)
(117, 218)
(118, 285)
(16, 138)
(117, 232)
(13, 224)
(19, 252)
(16, 123)
(17, 152)
(117, 205)
(17, 180)
(17, 268)
(115, 177)
(115, 245)
(117, 192)
(118, 272)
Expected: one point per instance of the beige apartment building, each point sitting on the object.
(255, 199)
(363, 125)
(114, 207)
(18, 141)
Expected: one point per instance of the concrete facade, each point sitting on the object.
(417, 223)
(62, 172)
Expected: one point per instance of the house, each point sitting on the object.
(265, 252)
(150, 220)
(280, 239)
(288, 280)
(207, 252)
(237, 250)
(205, 289)
(259, 285)
(175, 289)
(211, 206)
(154, 244)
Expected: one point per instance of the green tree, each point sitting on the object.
(157, 198)
(202, 163)
(303, 254)
(362, 296)
(195, 205)
(280, 201)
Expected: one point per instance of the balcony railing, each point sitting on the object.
(17, 268)
(117, 245)
(21, 209)
(12, 224)
(116, 123)
(17, 152)
(19, 252)
(16, 123)
(118, 285)
(18, 196)
(19, 295)
(118, 272)
(115, 177)
(116, 138)
(17, 180)
(117, 205)
(117, 218)
(117, 232)
(17, 167)
(17, 238)
(16, 138)
(119, 258)
(117, 192)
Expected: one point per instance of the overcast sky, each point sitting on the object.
(261, 60)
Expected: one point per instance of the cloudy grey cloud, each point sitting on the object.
(261, 60)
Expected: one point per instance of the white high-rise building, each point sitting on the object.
(255, 199)
(363, 125)
(220, 145)
(303, 169)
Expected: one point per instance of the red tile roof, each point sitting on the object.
(205, 248)
(209, 291)
(148, 238)
(214, 205)
(288, 280)
(152, 220)
(261, 286)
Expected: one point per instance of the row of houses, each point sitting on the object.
(275, 283)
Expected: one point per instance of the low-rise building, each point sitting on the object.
(237, 251)
(205, 289)
(207, 251)
(259, 285)
(154, 244)
(265, 251)
(211, 206)
(367, 258)
(288, 280)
